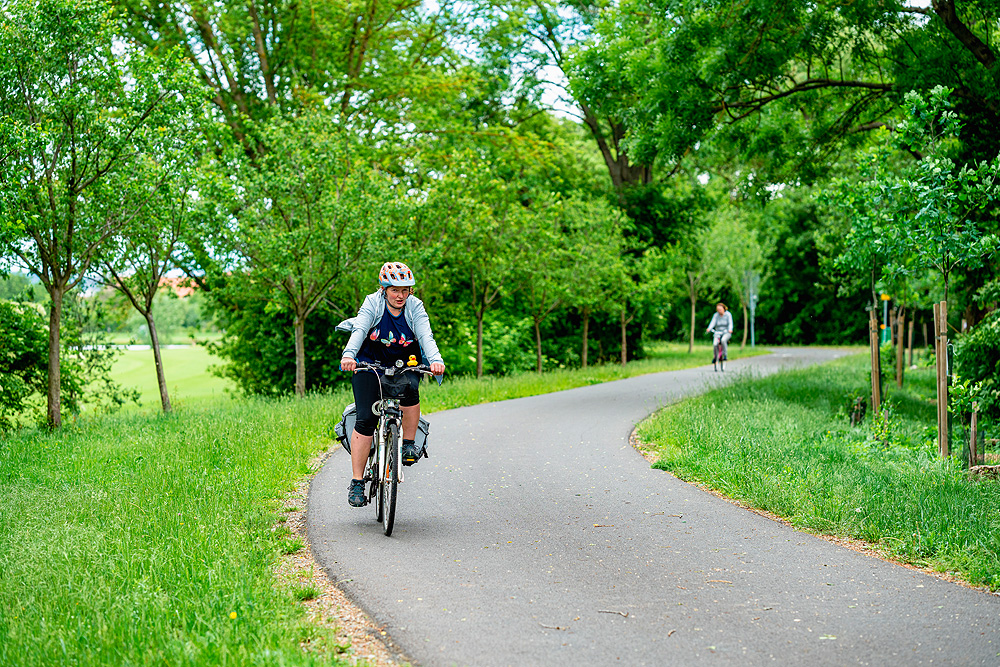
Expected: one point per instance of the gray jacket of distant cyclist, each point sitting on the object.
(721, 324)
(370, 314)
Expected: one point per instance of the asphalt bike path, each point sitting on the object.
(535, 535)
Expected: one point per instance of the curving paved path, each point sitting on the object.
(536, 536)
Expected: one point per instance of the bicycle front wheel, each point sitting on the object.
(390, 481)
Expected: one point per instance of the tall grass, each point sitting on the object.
(148, 540)
(783, 444)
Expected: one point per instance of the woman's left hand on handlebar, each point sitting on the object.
(437, 368)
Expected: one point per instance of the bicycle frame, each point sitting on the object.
(389, 412)
(384, 469)
(718, 359)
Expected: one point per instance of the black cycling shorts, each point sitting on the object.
(366, 392)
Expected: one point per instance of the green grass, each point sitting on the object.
(142, 539)
(783, 444)
(138, 540)
(186, 370)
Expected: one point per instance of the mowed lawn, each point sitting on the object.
(186, 368)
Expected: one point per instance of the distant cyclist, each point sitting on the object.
(391, 326)
(721, 328)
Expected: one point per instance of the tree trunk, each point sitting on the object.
(300, 356)
(586, 334)
(54, 412)
(538, 347)
(900, 346)
(745, 320)
(161, 379)
(624, 343)
(694, 300)
(949, 16)
(622, 173)
(479, 344)
(910, 343)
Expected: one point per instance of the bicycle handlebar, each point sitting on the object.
(375, 366)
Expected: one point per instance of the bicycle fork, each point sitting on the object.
(398, 446)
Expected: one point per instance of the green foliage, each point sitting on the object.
(977, 360)
(802, 77)
(86, 378)
(507, 345)
(260, 353)
(19, 287)
(922, 216)
(782, 444)
(24, 359)
(83, 123)
(801, 304)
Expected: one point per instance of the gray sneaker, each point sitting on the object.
(356, 493)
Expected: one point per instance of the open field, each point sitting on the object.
(186, 368)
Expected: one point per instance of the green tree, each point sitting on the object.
(480, 223)
(306, 214)
(944, 198)
(739, 254)
(139, 258)
(78, 117)
(543, 280)
(595, 243)
(372, 61)
(809, 74)
(920, 216)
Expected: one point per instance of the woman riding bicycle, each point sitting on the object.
(389, 322)
(721, 327)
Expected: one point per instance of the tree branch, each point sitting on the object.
(945, 9)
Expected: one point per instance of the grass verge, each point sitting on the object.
(783, 444)
(140, 540)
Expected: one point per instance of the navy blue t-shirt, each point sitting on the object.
(391, 340)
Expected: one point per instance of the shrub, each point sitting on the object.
(977, 359)
(24, 350)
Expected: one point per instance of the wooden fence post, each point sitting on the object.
(974, 435)
(873, 341)
(910, 344)
(941, 359)
(900, 348)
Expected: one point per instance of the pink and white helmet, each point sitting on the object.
(395, 274)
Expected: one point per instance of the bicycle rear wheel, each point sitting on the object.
(377, 475)
(390, 481)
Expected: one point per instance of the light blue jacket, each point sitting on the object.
(721, 324)
(370, 314)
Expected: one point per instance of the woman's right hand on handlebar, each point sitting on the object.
(348, 364)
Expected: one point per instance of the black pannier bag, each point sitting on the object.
(345, 427)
